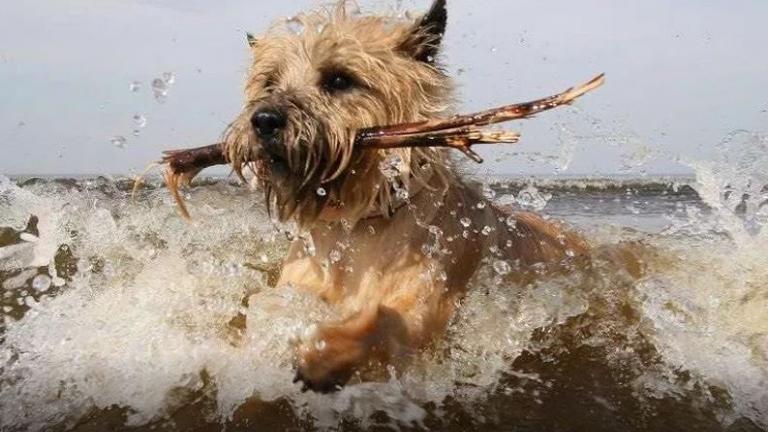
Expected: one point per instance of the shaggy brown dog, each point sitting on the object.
(392, 237)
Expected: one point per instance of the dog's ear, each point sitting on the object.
(423, 41)
(251, 39)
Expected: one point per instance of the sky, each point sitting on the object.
(681, 76)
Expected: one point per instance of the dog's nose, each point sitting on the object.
(267, 123)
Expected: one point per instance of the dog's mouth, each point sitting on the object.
(277, 164)
(272, 156)
(292, 182)
(301, 163)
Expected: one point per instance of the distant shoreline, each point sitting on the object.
(663, 184)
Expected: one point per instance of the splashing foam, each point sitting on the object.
(154, 307)
(707, 310)
(150, 309)
(17, 205)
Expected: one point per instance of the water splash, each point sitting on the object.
(392, 166)
(161, 86)
(119, 141)
(154, 313)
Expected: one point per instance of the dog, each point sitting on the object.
(391, 237)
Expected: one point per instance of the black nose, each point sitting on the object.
(267, 123)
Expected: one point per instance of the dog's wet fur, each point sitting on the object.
(393, 249)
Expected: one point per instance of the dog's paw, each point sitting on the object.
(328, 360)
(327, 384)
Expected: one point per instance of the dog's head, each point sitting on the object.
(317, 79)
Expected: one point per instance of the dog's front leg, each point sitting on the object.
(329, 358)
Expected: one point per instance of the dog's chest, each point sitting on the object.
(346, 267)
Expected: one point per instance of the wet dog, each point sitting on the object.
(392, 237)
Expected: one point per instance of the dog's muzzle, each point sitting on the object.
(268, 122)
(268, 126)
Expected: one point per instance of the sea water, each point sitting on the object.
(118, 314)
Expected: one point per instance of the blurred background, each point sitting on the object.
(102, 86)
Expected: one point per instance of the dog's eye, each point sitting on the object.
(338, 82)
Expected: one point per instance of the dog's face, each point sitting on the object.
(313, 83)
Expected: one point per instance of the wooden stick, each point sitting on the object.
(459, 132)
(421, 134)
(195, 159)
(458, 138)
(488, 117)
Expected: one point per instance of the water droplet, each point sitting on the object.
(435, 231)
(347, 225)
(41, 283)
(309, 332)
(487, 231)
(466, 222)
(354, 9)
(160, 86)
(294, 25)
(334, 256)
(118, 141)
(481, 205)
(402, 194)
(502, 267)
(320, 345)
(488, 192)
(160, 90)
(135, 87)
(392, 166)
(532, 198)
(322, 192)
(140, 121)
(511, 222)
(309, 247)
(169, 78)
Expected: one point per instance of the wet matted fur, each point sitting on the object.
(396, 235)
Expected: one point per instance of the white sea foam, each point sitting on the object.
(148, 313)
